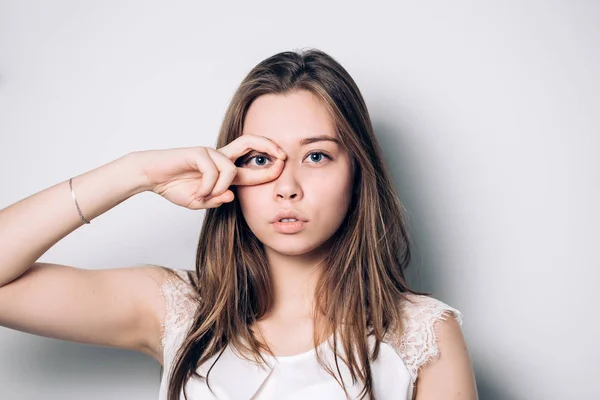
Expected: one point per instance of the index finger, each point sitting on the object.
(248, 142)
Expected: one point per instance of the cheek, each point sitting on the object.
(338, 182)
(249, 198)
(334, 191)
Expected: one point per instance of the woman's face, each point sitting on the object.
(316, 181)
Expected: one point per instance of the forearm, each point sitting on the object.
(33, 225)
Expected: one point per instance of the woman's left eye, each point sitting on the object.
(317, 156)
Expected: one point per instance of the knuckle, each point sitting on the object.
(201, 151)
(230, 172)
(209, 176)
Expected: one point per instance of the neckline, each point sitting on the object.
(299, 356)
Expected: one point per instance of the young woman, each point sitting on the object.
(298, 290)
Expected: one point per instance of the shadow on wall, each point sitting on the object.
(490, 390)
(426, 269)
(58, 368)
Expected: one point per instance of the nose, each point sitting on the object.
(287, 186)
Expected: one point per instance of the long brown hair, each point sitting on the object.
(358, 294)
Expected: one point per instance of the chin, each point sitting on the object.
(292, 245)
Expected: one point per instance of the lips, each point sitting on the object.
(289, 214)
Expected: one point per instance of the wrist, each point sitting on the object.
(133, 162)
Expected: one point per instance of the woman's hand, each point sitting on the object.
(200, 177)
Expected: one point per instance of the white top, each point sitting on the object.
(297, 377)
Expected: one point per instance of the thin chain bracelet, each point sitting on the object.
(76, 203)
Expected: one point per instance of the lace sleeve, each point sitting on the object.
(417, 344)
(180, 304)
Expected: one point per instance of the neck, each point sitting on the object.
(294, 278)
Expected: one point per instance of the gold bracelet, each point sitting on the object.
(76, 203)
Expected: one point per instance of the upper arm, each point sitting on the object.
(450, 375)
(120, 307)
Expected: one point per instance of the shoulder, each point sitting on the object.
(174, 285)
(178, 296)
(425, 320)
(427, 308)
(178, 284)
(432, 346)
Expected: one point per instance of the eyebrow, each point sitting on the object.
(323, 138)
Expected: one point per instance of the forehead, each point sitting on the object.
(286, 119)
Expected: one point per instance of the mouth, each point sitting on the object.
(284, 220)
(288, 216)
(289, 225)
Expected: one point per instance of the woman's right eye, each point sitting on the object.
(261, 160)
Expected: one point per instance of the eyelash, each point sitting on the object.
(247, 160)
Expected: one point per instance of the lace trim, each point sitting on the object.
(180, 305)
(417, 346)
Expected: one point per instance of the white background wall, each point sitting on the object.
(488, 113)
